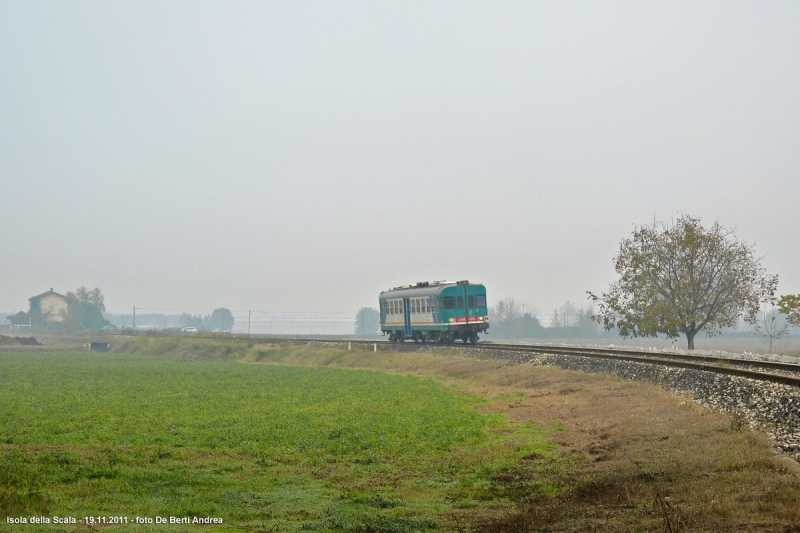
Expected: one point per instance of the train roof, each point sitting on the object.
(424, 288)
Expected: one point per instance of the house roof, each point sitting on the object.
(48, 293)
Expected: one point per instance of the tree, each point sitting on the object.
(221, 318)
(368, 321)
(769, 326)
(568, 315)
(513, 319)
(510, 309)
(187, 320)
(789, 305)
(572, 322)
(683, 279)
(85, 310)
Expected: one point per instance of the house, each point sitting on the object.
(48, 308)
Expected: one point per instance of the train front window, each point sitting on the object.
(481, 300)
(461, 302)
(471, 301)
(449, 302)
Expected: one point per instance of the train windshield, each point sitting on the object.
(480, 300)
(449, 302)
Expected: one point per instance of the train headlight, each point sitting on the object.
(452, 320)
(486, 318)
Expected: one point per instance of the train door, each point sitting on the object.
(407, 316)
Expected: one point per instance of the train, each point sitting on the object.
(436, 311)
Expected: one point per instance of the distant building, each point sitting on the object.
(48, 308)
(20, 319)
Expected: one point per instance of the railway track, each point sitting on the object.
(774, 372)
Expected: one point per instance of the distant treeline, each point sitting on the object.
(220, 318)
(513, 319)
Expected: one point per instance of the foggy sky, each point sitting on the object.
(302, 156)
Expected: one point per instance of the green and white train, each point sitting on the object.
(436, 311)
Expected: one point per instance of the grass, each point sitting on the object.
(292, 448)
(314, 438)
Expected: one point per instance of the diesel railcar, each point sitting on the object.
(437, 311)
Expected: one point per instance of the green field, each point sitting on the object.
(264, 447)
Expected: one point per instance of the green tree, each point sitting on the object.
(368, 322)
(187, 320)
(789, 305)
(511, 318)
(221, 318)
(683, 279)
(85, 310)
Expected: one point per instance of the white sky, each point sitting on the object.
(302, 156)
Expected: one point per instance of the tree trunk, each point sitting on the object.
(690, 339)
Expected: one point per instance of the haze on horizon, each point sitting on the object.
(286, 156)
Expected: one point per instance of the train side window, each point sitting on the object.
(461, 302)
(480, 300)
(471, 301)
(414, 306)
(428, 306)
(449, 302)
